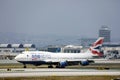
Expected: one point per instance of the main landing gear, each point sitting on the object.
(24, 66)
(50, 66)
(57, 66)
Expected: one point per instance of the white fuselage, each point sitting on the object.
(52, 57)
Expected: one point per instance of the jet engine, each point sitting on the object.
(84, 63)
(62, 64)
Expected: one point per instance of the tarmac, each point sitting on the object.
(57, 72)
(99, 61)
(35, 72)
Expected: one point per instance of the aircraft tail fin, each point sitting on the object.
(96, 46)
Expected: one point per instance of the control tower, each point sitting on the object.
(104, 31)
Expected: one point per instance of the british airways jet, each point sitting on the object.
(61, 60)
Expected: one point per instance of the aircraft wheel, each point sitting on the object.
(50, 66)
(24, 66)
(57, 66)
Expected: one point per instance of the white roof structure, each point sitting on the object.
(73, 46)
(17, 46)
(29, 46)
(5, 45)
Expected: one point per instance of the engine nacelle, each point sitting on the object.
(84, 63)
(62, 64)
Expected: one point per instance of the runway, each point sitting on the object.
(57, 72)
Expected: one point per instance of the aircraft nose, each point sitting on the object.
(17, 58)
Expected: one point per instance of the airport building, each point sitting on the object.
(111, 50)
(105, 32)
(71, 49)
(16, 48)
(64, 49)
(11, 50)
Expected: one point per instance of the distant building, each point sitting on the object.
(9, 51)
(111, 50)
(16, 48)
(64, 49)
(105, 32)
(71, 49)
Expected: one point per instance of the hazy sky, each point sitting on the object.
(60, 17)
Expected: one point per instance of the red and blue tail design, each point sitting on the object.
(95, 48)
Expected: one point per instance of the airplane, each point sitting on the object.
(61, 60)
